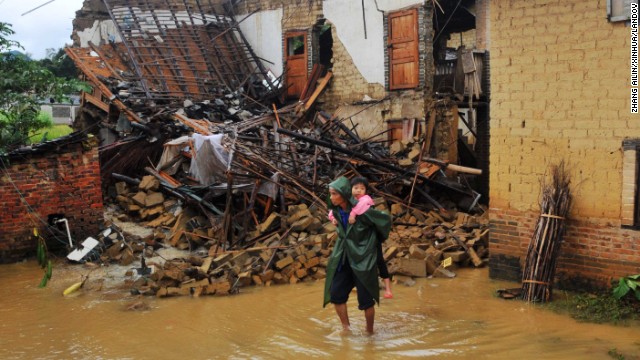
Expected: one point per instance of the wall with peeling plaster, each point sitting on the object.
(100, 33)
(367, 53)
(263, 31)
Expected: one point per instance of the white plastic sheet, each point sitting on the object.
(209, 162)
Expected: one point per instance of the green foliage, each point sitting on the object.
(613, 353)
(49, 133)
(627, 284)
(42, 255)
(601, 308)
(60, 64)
(5, 31)
(45, 118)
(23, 85)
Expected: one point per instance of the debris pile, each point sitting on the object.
(295, 247)
(299, 254)
(426, 244)
(250, 197)
(207, 159)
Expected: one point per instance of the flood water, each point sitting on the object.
(456, 318)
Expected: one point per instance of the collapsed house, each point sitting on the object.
(222, 122)
(390, 75)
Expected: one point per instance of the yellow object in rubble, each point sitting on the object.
(73, 288)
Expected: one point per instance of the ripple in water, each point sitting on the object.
(393, 330)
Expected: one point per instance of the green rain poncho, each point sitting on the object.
(357, 243)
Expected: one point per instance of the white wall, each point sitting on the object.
(263, 30)
(99, 33)
(63, 114)
(367, 54)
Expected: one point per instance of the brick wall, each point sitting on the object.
(67, 182)
(559, 88)
(347, 84)
(467, 38)
(592, 255)
(483, 40)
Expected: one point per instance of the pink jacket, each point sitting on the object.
(364, 203)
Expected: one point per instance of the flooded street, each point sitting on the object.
(439, 318)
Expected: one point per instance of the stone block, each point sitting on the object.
(286, 261)
(153, 199)
(139, 198)
(122, 188)
(302, 224)
(411, 267)
(149, 182)
(444, 273)
(416, 253)
(297, 214)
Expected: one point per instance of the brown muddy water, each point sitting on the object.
(437, 318)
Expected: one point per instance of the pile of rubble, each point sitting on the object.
(289, 248)
(299, 255)
(426, 244)
(247, 201)
(211, 163)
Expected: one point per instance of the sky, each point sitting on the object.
(47, 27)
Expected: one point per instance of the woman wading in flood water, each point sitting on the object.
(353, 258)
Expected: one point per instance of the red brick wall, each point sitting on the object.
(592, 255)
(66, 182)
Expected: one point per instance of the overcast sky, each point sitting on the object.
(47, 27)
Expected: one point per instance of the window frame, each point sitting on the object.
(630, 194)
(619, 15)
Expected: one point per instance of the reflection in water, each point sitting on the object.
(437, 318)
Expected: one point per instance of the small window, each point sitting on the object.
(619, 10)
(295, 45)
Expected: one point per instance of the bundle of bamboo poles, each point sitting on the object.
(544, 248)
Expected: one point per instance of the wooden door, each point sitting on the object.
(296, 60)
(403, 49)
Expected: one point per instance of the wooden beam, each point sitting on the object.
(321, 85)
(105, 90)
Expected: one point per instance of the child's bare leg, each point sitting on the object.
(387, 288)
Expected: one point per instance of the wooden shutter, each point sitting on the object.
(403, 49)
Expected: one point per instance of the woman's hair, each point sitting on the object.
(360, 180)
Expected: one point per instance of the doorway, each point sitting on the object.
(296, 62)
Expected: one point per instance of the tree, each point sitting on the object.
(25, 83)
(60, 64)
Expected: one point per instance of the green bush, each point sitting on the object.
(595, 308)
(23, 84)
